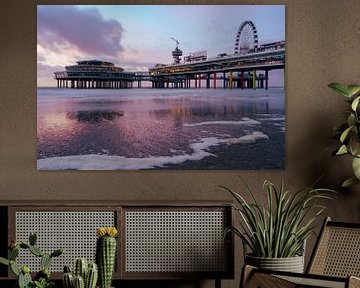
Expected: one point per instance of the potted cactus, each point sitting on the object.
(42, 278)
(106, 254)
(84, 275)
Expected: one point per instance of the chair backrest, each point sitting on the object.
(337, 251)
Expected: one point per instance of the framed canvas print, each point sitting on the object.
(175, 87)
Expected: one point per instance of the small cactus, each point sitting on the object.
(14, 268)
(42, 278)
(24, 277)
(67, 269)
(106, 254)
(89, 272)
(13, 253)
(36, 251)
(32, 239)
(68, 280)
(91, 276)
(79, 282)
(80, 268)
(45, 261)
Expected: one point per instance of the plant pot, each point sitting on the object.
(291, 264)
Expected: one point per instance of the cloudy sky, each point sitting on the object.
(136, 37)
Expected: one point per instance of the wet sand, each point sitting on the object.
(161, 129)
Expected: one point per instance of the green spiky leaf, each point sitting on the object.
(279, 228)
(340, 88)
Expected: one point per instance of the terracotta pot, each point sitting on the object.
(291, 264)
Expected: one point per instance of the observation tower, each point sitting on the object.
(177, 53)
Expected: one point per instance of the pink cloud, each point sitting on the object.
(86, 29)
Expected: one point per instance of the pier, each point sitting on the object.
(247, 68)
(236, 71)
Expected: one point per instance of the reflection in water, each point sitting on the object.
(202, 129)
(94, 116)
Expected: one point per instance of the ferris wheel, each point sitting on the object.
(246, 38)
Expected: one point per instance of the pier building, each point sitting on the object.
(94, 74)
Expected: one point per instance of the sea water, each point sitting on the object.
(131, 129)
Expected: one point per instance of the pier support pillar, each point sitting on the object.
(208, 80)
(214, 83)
(254, 79)
(231, 80)
(224, 80)
(266, 79)
(242, 84)
(196, 85)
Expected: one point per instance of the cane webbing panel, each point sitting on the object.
(175, 241)
(338, 252)
(313, 282)
(74, 231)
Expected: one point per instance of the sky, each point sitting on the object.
(136, 37)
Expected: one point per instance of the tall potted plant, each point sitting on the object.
(276, 233)
(348, 132)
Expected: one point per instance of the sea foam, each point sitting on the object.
(113, 162)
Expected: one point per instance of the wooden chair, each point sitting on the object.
(334, 263)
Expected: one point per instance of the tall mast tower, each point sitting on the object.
(177, 52)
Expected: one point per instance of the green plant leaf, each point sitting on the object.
(355, 103)
(351, 120)
(353, 90)
(354, 145)
(342, 150)
(340, 88)
(345, 134)
(356, 167)
(349, 182)
(279, 228)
